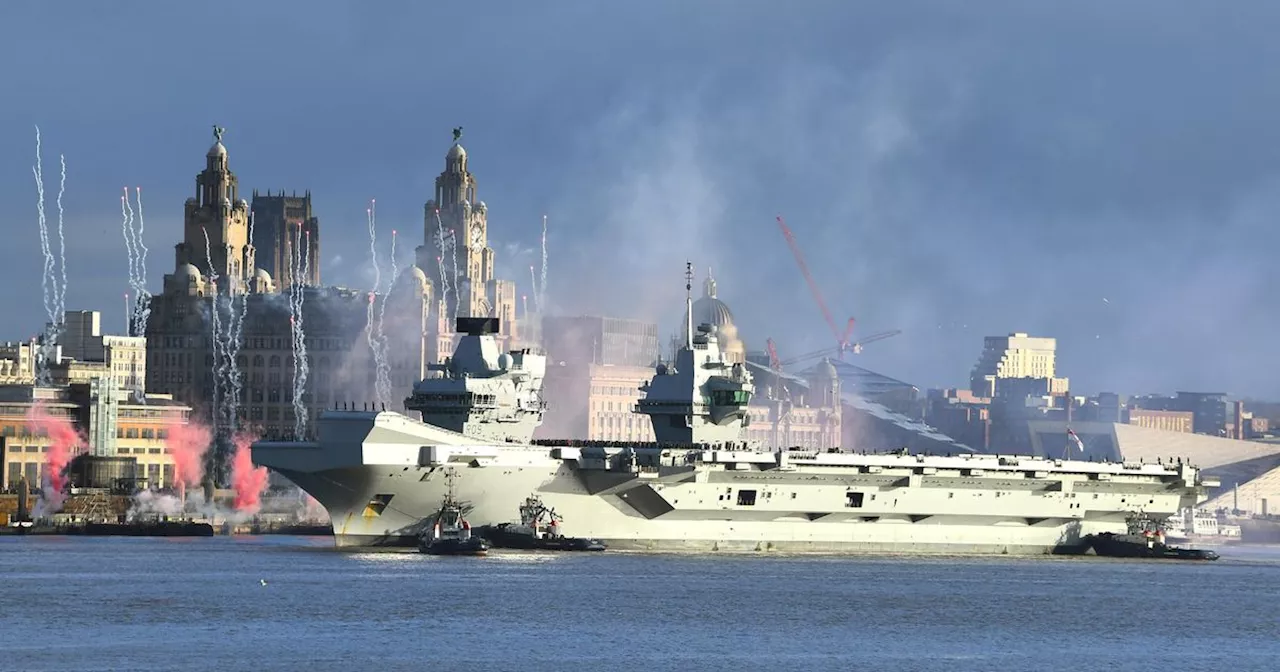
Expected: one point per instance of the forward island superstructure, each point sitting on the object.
(701, 486)
(481, 391)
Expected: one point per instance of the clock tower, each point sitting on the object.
(455, 252)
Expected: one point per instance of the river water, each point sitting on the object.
(200, 604)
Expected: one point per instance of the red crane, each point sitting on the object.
(776, 363)
(842, 339)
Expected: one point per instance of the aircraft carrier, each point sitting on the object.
(701, 486)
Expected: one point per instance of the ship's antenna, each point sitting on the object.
(688, 304)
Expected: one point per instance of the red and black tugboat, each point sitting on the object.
(1144, 538)
(451, 534)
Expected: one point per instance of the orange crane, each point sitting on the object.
(842, 338)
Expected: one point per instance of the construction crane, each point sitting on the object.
(777, 364)
(774, 362)
(842, 338)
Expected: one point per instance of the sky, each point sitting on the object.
(1103, 173)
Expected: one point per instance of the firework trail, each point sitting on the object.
(47, 283)
(304, 362)
(236, 330)
(294, 264)
(372, 331)
(133, 245)
(533, 280)
(62, 243)
(453, 257)
(541, 303)
(384, 363)
(126, 229)
(449, 241)
(301, 368)
(143, 313)
(216, 340)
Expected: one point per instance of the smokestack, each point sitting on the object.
(1239, 419)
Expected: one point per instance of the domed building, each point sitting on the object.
(709, 309)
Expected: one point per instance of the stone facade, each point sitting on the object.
(283, 228)
(255, 318)
(455, 253)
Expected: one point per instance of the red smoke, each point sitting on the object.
(64, 443)
(187, 444)
(248, 481)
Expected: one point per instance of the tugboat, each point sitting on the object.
(451, 534)
(531, 534)
(1144, 539)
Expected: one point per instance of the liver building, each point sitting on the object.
(455, 252)
(221, 334)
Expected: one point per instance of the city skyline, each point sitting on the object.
(936, 183)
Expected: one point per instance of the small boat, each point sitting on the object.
(1145, 538)
(451, 534)
(538, 529)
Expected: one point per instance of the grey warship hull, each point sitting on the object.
(819, 503)
(703, 488)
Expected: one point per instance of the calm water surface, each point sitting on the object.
(165, 604)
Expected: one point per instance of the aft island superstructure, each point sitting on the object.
(701, 486)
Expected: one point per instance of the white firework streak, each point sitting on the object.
(302, 333)
(384, 362)
(533, 280)
(140, 243)
(47, 348)
(62, 244)
(452, 243)
(131, 242)
(236, 332)
(372, 330)
(301, 367)
(216, 342)
(445, 286)
(127, 232)
(293, 324)
(453, 256)
(542, 285)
